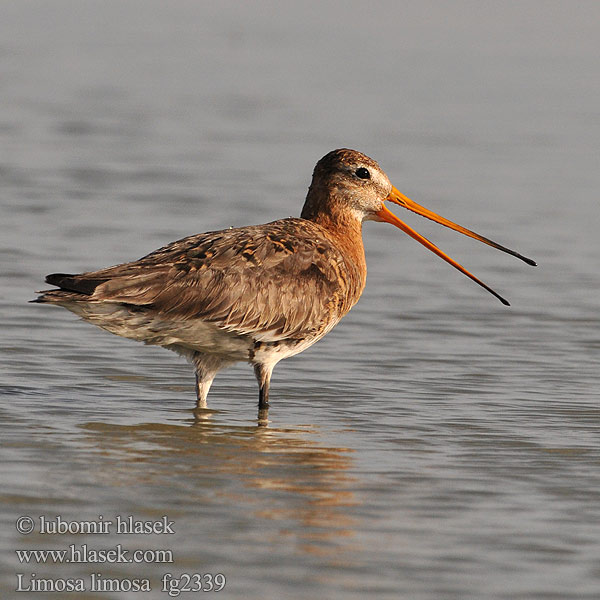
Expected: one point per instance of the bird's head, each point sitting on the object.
(351, 185)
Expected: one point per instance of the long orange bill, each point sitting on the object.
(389, 217)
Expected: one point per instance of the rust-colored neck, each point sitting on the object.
(339, 223)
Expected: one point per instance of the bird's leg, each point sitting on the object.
(263, 393)
(203, 383)
(206, 368)
(263, 376)
(263, 417)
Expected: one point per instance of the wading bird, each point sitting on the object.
(259, 293)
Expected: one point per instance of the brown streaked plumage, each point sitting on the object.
(259, 293)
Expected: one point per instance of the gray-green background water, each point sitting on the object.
(436, 444)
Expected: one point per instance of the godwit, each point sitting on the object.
(259, 293)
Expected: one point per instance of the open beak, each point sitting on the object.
(389, 217)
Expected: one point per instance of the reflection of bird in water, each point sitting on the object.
(295, 481)
(259, 293)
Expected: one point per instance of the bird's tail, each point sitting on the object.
(73, 288)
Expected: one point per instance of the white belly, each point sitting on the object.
(187, 335)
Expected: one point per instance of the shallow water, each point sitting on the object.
(436, 444)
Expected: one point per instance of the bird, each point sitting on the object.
(255, 294)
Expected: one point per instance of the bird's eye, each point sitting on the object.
(362, 173)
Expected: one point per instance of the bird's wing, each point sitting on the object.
(276, 281)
